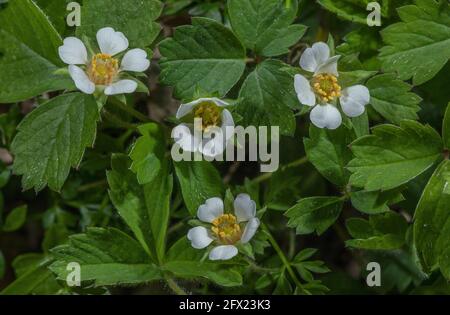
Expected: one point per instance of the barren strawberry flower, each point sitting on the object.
(323, 89)
(211, 136)
(226, 230)
(103, 70)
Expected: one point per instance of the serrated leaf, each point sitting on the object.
(268, 97)
(205, 55)
(352, 10)
(419, 46)
(373, 202)
(314, 214)
(199, 180)
(134, 18)
(304, 254)
(15, 219)
(328, 151)
(264, 26)
(392, 98)
(56, 11)
(432, 222)
(28, 53)
(106, 257)
(393, 155)
(52, 139)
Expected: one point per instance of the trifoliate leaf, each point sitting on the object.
(380, 232)
(314, 214)
(328, 151)
(264, 26)
(15, 219)
(28, 53)
(205, 55)
(52, 139)
(419, 46)
(393, 155)
(106, 257)
(134, 18)
(432, 222)
(268, 96)
(199, 180)
(392, 98)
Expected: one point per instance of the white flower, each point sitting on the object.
(322, 90)
(209, 126)
(103, 69)
(226, 230)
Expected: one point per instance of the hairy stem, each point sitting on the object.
(175, 287)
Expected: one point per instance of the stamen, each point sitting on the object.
(103, 69)
(210, 114)
(226, 229)
(326, 87)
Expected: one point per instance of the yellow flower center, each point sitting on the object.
(102, 69)
(227, 229)
(326, 87)
(210, 114)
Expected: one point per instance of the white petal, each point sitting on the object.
(182, 135)
(81, 80)
(121, 87)
(185, 109)
(73, 51)
(326, 116)
(330, 66)
(218, 101)
(199, 237)
(304, 92)
(223, 252)
(354, 99)
(111, 42)
(210, 210)
(250, 230)
(135, 60)
(227, 124)
(313, 57)
(213, 142)
(244, 207)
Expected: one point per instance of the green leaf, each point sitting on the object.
(199, 180)
(432, 222)
(148, 152)
(373, 202)
(446, 128)
(392, 98)
(381, 232)
(328, 151)
(56, 12)
(15, 219)
(134, 18)
(352, 10)
(393, 155)
(28, 53)
(106, 257)
(314, 214)
(36, 279)
(268, 96)
(419, 46)
(52, 139)
(205, 55)
(264, 26)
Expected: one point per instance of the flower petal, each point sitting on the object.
(326, 116)
(81, 80)
(244, 207)
(329, 66)
(199, 237)
(223, 252)
(210, 210)
(213, 142)
(111, 42)
(121, 87)
(227, 124)
(354, 99)
(182, 135)
(73, 51)
(185, 109)
(304, 92)
(135, 60)
(250, 229)
(313, 57)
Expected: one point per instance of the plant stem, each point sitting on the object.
(295, 163)
(130, 110)
(283, 258)
(117, 121)
(175, 287)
